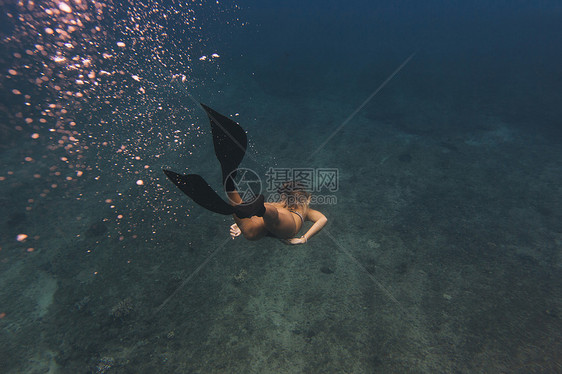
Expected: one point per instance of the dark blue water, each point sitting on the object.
(439, 122)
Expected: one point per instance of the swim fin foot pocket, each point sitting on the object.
(250, 209)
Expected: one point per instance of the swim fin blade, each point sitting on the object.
(230, 141)
(198, 190)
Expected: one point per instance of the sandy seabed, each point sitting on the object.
(442, 254)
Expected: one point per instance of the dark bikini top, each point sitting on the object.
(298, 214)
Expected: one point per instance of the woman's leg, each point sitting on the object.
(279, 222)
(252, 228)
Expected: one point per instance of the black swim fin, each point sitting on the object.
(230, 141)
(198, 190)
(250, 209)
(194, 186)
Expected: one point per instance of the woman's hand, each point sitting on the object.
(235, 231)
(294, 241)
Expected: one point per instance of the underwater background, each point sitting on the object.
(443, 248)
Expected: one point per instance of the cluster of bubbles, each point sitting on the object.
(89, 86)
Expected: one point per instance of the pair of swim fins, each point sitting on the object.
(230, 142)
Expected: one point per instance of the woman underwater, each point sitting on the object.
(254, 219)
(282, 220)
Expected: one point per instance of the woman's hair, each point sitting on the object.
(294, 194)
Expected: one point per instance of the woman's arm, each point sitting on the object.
(319, 222)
